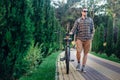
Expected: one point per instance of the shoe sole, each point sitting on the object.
(77, 69)
(83, 71)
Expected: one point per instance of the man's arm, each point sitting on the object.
(74, 27)
(93, 29)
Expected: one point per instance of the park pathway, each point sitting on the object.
(96, 69)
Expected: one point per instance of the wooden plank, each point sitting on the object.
(60, 75)
(56, 72)
(105, 64)
(77, 75)
(107, 61)
(64, 71)
(70, 76)
(84, 76)
(104, 60)
(73, 74)
(103, 70)
(87, 75)
(95, 74)
(91, 74)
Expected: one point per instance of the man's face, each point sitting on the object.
(84, 12)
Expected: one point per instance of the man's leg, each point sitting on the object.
(78, 54)
(87, 47)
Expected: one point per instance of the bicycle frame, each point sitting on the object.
(67, 52)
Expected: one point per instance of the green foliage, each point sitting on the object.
(39, 20)
(101, 38)
(117, 46)
(95, 40)
(29, 62)
(98, 40)
(34, 56)
(45, 25)
(101, 19)
(109, 38)
(16, 36)
(22, 23)
(46, 71)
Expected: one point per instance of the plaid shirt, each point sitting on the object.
(84, 28)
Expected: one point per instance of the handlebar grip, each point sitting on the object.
(70, 39)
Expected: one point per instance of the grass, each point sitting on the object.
(46, 70)
(103, 55)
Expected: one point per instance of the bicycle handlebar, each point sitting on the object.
(68, 37)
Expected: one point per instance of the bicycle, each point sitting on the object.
(67, 51)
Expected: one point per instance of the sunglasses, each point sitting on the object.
(85, 11)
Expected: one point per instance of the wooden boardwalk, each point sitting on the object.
(96, 69)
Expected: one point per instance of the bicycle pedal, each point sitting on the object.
(72, 60)
(62, 59)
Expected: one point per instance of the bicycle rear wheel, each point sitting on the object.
(67, 59)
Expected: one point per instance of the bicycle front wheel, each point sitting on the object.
(67, 59)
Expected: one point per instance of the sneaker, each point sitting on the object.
(78, 67)
(83, 69)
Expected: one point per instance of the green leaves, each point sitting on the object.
(34, 56)
(26, 34)
(8, 36)
(97, 44)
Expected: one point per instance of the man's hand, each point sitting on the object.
(71, 33)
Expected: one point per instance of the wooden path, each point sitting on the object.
(96, 69)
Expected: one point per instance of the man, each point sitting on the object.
(84, 29)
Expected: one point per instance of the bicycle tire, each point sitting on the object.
(67, 59)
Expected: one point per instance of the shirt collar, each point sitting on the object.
(85, 17)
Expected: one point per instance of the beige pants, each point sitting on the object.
(85, 46)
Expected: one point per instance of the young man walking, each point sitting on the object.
(84, 30)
